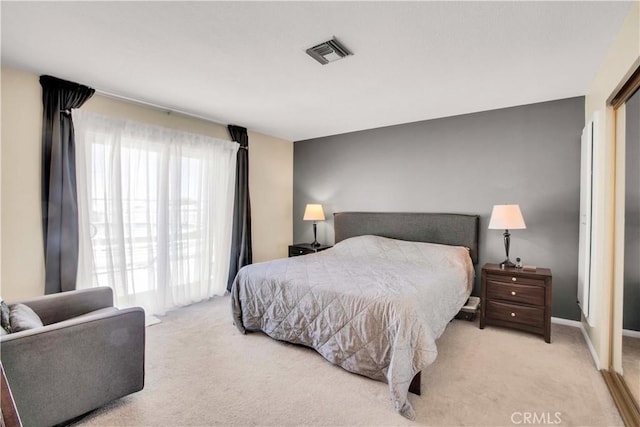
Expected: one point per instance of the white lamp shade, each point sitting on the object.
(506, 217)
(313, 213)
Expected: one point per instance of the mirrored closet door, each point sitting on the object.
(631, 275)
(623, 376)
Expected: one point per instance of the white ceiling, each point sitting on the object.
(245, 62)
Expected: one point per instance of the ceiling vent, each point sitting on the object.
(328, 51)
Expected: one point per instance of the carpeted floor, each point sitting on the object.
(201, 371)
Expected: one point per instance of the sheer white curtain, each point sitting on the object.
(155, 211)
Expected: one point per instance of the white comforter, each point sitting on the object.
(372, 305)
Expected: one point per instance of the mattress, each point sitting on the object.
(372, 305)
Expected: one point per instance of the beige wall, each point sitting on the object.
(22, 253)
(271, 192)
(22, 266)
(621, 59)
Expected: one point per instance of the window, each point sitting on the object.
(155, 209)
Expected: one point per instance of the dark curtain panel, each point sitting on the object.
(59, 199)
(241, 254)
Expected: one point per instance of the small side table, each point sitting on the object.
(305, 248)
(515, 298)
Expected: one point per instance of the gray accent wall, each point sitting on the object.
(529, 155)
(631, 308)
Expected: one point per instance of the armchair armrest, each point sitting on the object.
(65, 305)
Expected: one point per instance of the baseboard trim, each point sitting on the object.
(566, 322)
(592, 350)
(579, 325)
(630, 333)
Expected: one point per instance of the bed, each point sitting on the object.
(373, 304)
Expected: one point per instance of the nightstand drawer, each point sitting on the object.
(295, 251)
(514, 279)
(305, 248)
(518, 293)
(532, 316)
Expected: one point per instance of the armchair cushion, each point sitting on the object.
(5, 322)
(22, 318)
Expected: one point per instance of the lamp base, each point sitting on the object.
(507, 263)
(315, 243)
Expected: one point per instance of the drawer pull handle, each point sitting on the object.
(513, 279)
(513, 292)
(513, 315)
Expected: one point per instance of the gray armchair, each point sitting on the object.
(88, 353)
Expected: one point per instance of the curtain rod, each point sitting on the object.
(168, 110)
(156, 106)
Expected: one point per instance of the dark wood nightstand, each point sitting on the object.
(305, 248)
(518, 299)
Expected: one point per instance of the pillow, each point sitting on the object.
(23, 318)
(6, 323)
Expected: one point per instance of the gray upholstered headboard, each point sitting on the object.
(443, 228)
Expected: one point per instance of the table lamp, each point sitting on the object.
(314, 212)
(506, 217)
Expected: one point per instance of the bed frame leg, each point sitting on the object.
(414, 387)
